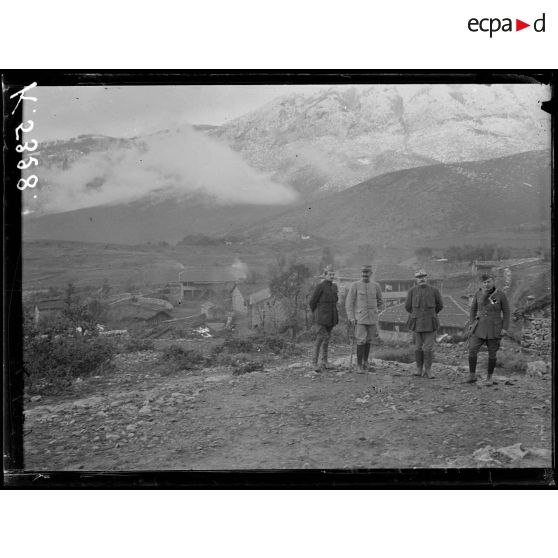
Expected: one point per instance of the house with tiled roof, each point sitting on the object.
(241, 293)
(394, 281)
(453, 319)
(205, 281)
(138, 309)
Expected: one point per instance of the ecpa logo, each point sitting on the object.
(494, 24)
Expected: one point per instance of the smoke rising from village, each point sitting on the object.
(239, 269)
(166, 164)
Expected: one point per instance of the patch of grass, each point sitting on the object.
(260, 344)
(246, 367)
(134, 345)
(512, 361)
(277, 344)
(239, 345)
(183, 359)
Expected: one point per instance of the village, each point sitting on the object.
(210, 363)
(227, 297)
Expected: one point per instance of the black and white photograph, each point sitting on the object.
(351, 275)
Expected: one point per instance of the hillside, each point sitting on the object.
(344, 135)
(147, 220)
(510, 195)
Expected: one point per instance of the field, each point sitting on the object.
(50, 263)
(54, 264)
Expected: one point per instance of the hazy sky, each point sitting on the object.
(126, 111)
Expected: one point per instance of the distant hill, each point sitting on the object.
(147, 220)
(431, 202)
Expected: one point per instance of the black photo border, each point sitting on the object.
(14, 473)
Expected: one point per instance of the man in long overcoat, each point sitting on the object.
(489, 321)
(424, 303)
(323, 304)
(363, 304)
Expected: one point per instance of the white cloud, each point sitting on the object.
(165, 164)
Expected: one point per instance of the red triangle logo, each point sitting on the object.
(519, 25)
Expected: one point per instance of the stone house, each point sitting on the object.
(265, 312)
(453, 319)
(536, 325)
(240, 296)
(46, 308)
(239, 300)
(207, 282)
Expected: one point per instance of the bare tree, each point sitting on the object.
(288, 286)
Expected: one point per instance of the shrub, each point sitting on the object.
(513, 362)
(276, 344)
(186, 359)
(52, 363)
(238, 345)
(135, 345)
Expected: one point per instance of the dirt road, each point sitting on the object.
(139, 417)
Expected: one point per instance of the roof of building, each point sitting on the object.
(393, 272)
(52, 304)
(453, 314)
(140, 308)
(247, 289)
(381, 272)
(155, 304)
(260, 296)
(387, 295)
(209, 275)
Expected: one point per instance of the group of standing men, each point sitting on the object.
(488, 320)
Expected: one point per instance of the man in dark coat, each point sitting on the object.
(489, 321)
(364, 302)
(323, 304)
(424, 302)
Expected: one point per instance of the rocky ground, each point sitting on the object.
(142, 416)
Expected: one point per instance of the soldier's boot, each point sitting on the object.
(325, 349)
(365, 355)
(472, 370)
(427, 364)
(490, 371)
(360, 355)
(316, 355)
(419, 359)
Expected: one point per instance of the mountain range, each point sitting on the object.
(346, 162)
(341, 136)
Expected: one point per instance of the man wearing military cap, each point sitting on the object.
(424, 303)
(323, 304)
(364, 302)
(489, 321)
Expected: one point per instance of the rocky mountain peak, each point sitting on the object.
(342, 135)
